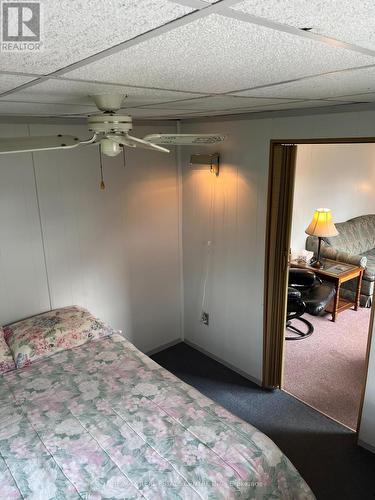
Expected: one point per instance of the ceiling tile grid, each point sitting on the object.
(345, 20)
(8, 81)
(208, 55)
(207, 63)
(76, 92)
(333, 85)
(218, 103)
(274, 107)
(299, 105)
(37, 109)
(360, 98)
(156, 113)
(266, 108)
(75, 30)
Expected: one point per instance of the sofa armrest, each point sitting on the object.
(326, 251)
(332, 253)
(349, 258)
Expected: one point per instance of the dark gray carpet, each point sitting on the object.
(324, 452)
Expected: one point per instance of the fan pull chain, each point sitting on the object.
(102, 185)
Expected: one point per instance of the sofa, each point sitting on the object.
(355, 244)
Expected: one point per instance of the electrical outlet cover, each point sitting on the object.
(205, 318)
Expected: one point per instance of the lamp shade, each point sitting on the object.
(322, 224)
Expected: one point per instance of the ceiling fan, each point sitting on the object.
(111, 131)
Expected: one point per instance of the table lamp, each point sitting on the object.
(321, 226)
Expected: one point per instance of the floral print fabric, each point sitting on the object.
(51, 332)
(6, 358)
(105, 422)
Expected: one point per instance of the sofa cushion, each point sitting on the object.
(356, 236)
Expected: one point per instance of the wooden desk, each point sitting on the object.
(337, 277)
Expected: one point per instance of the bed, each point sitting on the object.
(101, 420)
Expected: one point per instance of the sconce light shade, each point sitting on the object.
(322, 224)
(201, 161)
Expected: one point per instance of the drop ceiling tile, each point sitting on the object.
(36, 109)
(320, 87)
(346, 20)
(366, 97)
(155, 113)
(218, 103)
(298, 104)
(271, 107)
(75, 92)
(8, 82)
(72, 31)
(219, 54)
(183, 114)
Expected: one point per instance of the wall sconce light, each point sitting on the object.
(212, 160)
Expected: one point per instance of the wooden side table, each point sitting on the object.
(337, 273)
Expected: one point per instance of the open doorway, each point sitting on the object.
(325, 354)
(328, 305)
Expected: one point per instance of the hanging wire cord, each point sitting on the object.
(102, 185)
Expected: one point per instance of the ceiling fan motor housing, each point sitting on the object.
(109, 124)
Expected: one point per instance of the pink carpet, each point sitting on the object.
(327, 369)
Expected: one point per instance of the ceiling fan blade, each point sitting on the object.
(185, 139)
(29, 144)
(135, 142)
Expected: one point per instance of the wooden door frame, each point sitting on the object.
(281, 180)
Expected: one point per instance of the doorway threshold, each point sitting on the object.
(319, 411)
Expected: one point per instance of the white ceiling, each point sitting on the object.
(346, 20)
(72, 32)
(219, 54)
(183, 58)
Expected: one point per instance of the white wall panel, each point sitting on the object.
(238, 338)
(223, 210)
(153, 261)
(114, 251)
(337, 176)
(23, 282)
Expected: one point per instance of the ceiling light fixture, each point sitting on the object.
(111, 130)
(110, 148)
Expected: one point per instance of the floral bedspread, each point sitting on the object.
(104, 421)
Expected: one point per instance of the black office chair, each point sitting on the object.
(306, 293)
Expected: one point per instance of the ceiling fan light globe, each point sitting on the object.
(110, 148)
(108, 102)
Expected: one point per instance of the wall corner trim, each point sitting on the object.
(163, 346)
(180, 237)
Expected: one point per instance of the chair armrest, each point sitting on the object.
(301, 277)
(293, 293)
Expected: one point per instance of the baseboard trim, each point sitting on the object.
(223, 362)
(164, 346)
(367, 446)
